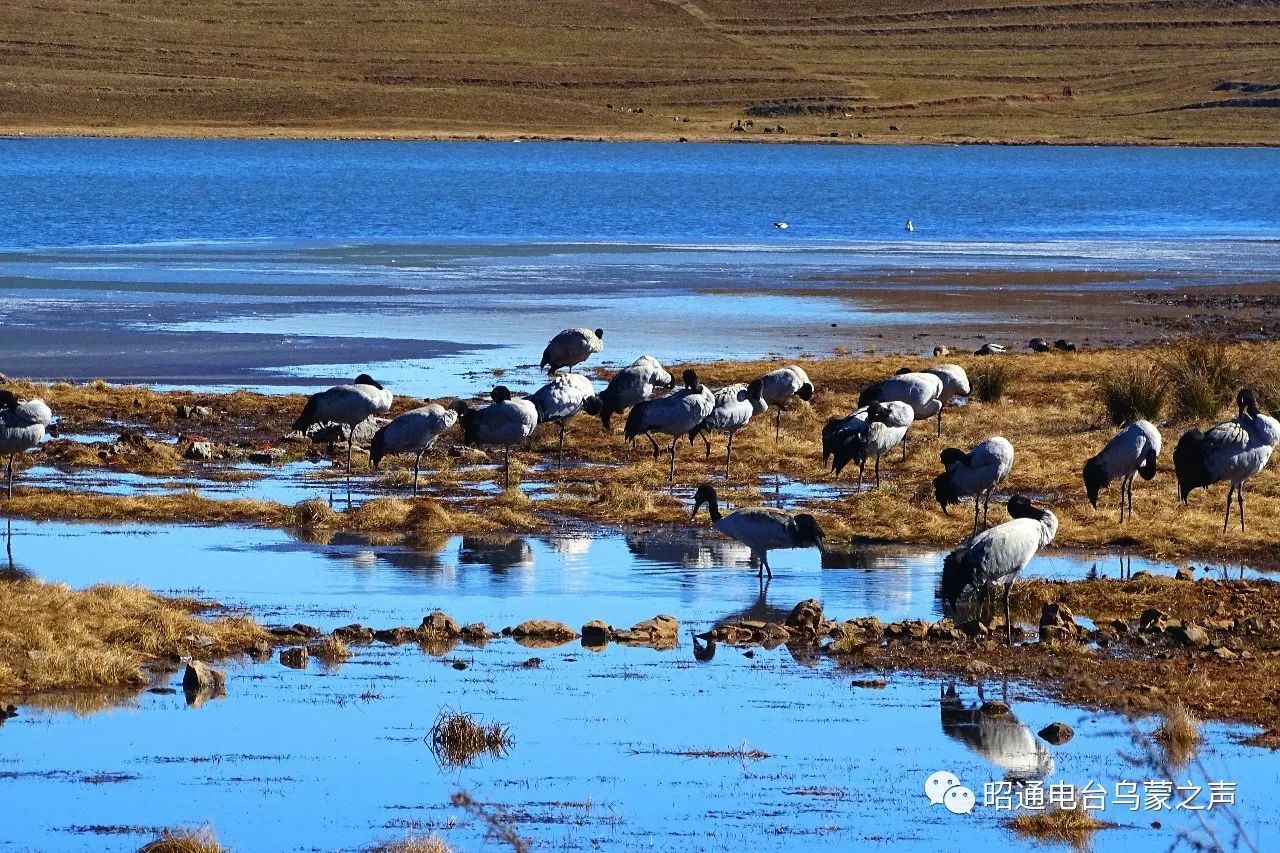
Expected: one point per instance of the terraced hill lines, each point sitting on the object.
(1078, 70)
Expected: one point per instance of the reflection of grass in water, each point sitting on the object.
(413, 844)
(1069, 826)
(331, 650)
(458, 739)
(1178, 734)
(202, 840)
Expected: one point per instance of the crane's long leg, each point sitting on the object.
(417, 464)
(986, 508)
(977, 499)
(1124, 482)
(939, 421)
(728, 457)
(904, 448)
(656, 448)
(673, 458)
(1131, 497)
(1240, 502)
(351, 437)
(877, 472)
(560, 447)
(862, 466)
(1227, 518)
(764, 558)
(10, 476)
(507, 465)
(706, 439)
(1008, 623)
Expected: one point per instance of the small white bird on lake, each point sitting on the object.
(570, 347)
(348, 405)
(1131, 452)
(778, 387)
(759, 528)
(413, 432)
(564, 396)
(974, 474)
(504, 423)
(883, 427)
(639, 381)
(735, 406)
(1233, 451)
(674, 415)
(998, 554)
(22, 426)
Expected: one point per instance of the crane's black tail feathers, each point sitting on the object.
(870, 395)
(1189, 465)
(309, 412)
(635, 421)
(956, 575)
(944, 490)
(378, 447)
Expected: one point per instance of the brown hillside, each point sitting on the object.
(1122, 70)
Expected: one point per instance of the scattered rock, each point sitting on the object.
(1057, 622)
(476, 634)
(994, 708)
(872, 683)
(470, 455)
(974, 629)
(395, 636)
(596, 632)
(355, 634)
(806, 618)
(1186, 573)
(198, 451)
(532, 663)
(1188, 634)
(1064, 345)
(8, 712)
(1153, 621)
(1120, 626)
(541, 633)
(439, 624)
(266, 457)
(1224, 653)
(259, 651)
(660, 632)
(938, 352)
(1038, 345)
(295, 658)
(945, 629)
(459, 665)
(202, 678)
(1057, 733)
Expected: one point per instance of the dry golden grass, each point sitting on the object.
(331, 650)
(1069, 826)
(55, 638)
(413, 844)
(1053, 410)
(202, 840)
(1123, 71)
(1178, 734)
(458, 739)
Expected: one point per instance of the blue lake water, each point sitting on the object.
(218, 263)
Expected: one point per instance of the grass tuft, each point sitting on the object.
(413, 844)
(331, 650)
(991, 382)
(202, 840)
(1135, 393)
(1203, 376)
(1070, 826)
(458, 740)
(1178, 734)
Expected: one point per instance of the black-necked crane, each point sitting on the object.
(779, 387)
(674, 415)
(1233, 451)
(348, 405)
(414, 432)
(1130, 453)
(570, 347)
(735, 406)
(883, 428)
(638, 381)
(760, 528)
(974, 474)
(22, 425)
(505, 422)
(998, 554)
(919, 390)
(559, 400)
(955, 383)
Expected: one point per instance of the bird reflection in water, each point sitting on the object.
(999, 737)
(496, 552)
(10, 571)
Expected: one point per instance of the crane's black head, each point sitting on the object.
(870, 394)
(877, 413)
(806, 392)
(8, 400)
(957, 573)
(944, 490)
(807, 533)
(1247, 401)
(902, 370)
(500, 394)
(592, 405)
(690, 377)
(377, 448)
(951, 456)
(755, 389)
(1020, 506)
(705, 494)
(366, 379)
(600, 334)
(1095, 477)
(608, 401)
(1189, 464)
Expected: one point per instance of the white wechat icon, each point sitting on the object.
(937, 785)
(959, 800)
